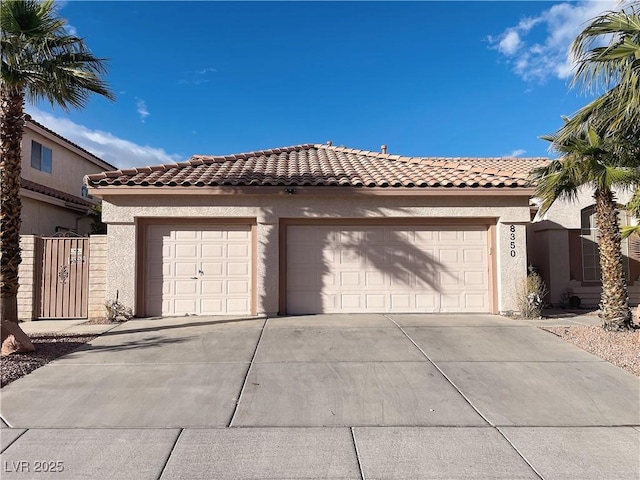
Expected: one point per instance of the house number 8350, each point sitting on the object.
(512, 240)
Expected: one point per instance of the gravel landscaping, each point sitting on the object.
(620, 348)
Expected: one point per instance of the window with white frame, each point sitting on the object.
(590, 252)
(41, 157)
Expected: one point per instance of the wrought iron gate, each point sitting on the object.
(65, 277)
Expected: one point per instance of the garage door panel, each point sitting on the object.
(185, 234)
(237, 306)
(426, 302)
(374, 279)
(238, 251)
(237, 286)
(186, 250)
(475, 279)
(189, 287)
(214, 305)
(212, 287)
(194, 269)
(387, 269)
(212, 269)
(477, 301)
(401, 302)
(212, 250)
(376, 302)
(237, 269)
(186, 269)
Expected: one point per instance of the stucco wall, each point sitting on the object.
(97, 276)
(557, 233)
(27, 278)
(68, 166)
(43, 218)
(566, 214)
(122, 212)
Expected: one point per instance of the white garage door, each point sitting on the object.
(201, 270)
(387, 269)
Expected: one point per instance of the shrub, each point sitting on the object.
(116, 311)
(530, 295)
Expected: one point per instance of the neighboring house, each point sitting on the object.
(317, 228)
(563, 247)
(54, 197)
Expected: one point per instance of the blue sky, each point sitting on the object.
(479, 79)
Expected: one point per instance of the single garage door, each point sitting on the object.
(200, 270)
(387, 269)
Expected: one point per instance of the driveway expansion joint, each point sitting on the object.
(246, 377)
(355, 446)
(173, 447)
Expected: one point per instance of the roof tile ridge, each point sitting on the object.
(200, 159)
(369, 153)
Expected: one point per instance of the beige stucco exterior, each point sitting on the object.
(125, 213)
(554, 248)
(42, 213)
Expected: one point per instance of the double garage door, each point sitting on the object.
(207, 270)
(387, 269)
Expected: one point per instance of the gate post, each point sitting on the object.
(29, 277)
(97, 276)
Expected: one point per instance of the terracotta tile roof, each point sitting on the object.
(52, 192)
(325, 165)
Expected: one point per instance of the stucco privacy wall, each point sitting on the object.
(27, 278)
(97, 276)
(123, 212)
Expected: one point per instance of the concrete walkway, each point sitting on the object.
(326, 396)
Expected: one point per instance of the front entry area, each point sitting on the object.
(198, 270)
(387, 268)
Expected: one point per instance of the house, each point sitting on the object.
(317, 228)
(54, 197)
(563, 247)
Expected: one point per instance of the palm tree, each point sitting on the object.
(589, 161)
(607, 55)
(40, 61)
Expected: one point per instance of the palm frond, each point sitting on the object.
(41, 59)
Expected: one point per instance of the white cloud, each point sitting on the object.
(517, 153)
(554, 29)
(117, 151)
(197, 77)
(142, 110)
(510, 43)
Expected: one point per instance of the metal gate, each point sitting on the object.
(65, 277)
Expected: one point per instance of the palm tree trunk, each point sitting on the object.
(12, 338)
(614, 303)
(11, 116)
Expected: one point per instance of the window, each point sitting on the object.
(41, 157)
(590, 252)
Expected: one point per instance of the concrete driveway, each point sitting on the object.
(326, 396)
